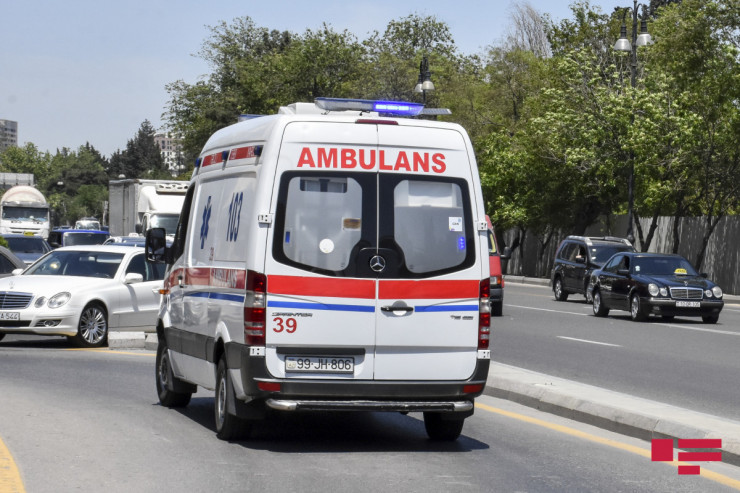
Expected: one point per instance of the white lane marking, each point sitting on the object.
(547, 310)
(590, 342)
(712, 331)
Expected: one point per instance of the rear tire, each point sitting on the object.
(558, 291)
(497, 308)
(228, 426)
(166, 380)
(598, 306)
(635, 309)
(441, 429)
(710, 319)
(2, 336)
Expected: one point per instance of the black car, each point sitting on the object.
(647, 284)
(577, 257)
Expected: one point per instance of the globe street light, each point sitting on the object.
(624, 44)
(425, 80)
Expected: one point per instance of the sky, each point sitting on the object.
(92, 71)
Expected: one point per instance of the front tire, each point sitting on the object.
(598, 305)
(166, 381)
(710, 319)
(558, 291)
(228, 426)
(92, 329)
(636, 312)
(497, 308)
(441, 429)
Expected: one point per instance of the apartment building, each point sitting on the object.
(171, 150)
(8, 134)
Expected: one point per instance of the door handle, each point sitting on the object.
(397, 308)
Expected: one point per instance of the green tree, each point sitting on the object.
(142, 157)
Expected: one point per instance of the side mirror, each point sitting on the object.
(54, 244)
(580, 260)
(704, 275)
(155, 246)
(623, 272)
(138, 228)
(17, 272)
(133, 278)
(506, 255)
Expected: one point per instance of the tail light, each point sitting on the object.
(484, 314)
(254, 309)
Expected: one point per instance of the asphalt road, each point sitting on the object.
(685, 362)
(81, 420)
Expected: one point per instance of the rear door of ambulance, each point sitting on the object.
(373, 271)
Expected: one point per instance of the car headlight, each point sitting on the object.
(653, 289)
(664, 291)
(40, 302)
(717, 291)
(59, 299)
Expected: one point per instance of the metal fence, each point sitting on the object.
(721, 260)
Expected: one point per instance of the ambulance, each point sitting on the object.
(330, 257)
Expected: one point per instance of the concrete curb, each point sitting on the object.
(613, 411)
(132, 340)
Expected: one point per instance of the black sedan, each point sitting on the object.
(647, 284)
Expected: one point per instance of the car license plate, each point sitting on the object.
(320, 364)
(688, 304)
(10, 316)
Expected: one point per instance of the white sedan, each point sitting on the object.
(82, 292)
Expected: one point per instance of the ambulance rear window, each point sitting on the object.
(322, 221)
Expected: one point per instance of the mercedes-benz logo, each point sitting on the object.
(377, 263)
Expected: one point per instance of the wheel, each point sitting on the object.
(710, 319)
(497, 308)
(92, 331)
(557, 288)
(635, 309)
(166, 382)
(667, 318)
(599, 309)
(442, 429)
(589, 296)
(2, 336)
(228, 426)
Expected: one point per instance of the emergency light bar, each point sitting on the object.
(399, 108)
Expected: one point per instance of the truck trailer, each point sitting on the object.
(137, 205)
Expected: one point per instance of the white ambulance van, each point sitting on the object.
(330, 257)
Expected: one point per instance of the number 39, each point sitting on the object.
(288, 325)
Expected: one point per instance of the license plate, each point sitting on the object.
(10, 315)
(688, 304)
(320, 364)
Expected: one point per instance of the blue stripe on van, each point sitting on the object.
(217, 296)
(227, 297)
(447, 308)
(321, 306)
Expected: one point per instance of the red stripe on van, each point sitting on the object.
(242, 153)
(422, 290)
(320, 286)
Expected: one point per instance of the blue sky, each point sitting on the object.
(79, 71)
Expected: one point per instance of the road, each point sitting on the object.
(685, 362)
(83, 420)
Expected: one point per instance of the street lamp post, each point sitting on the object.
(425, 80)
(624, 44)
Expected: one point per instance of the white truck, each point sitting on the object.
(24, 210)
(137, 205)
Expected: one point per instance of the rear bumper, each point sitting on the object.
(497, 294)
(360, 395)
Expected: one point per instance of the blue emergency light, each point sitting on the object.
(398, 108)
